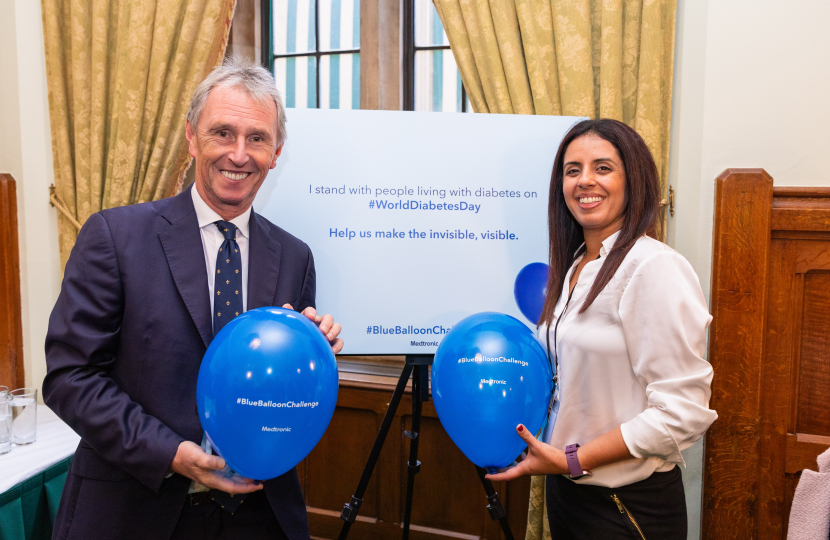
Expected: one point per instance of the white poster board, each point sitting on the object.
(415, 220)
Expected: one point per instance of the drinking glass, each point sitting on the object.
(24, 415)
(5, 422)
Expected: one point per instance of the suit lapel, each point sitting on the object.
(263, 265)
(182, 243)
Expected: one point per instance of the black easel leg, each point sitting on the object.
(494, 507)
(351, 509)
(414, 466)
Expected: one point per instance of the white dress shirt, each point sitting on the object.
(212, 238)
(633, 359)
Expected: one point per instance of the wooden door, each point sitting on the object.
(770, 349)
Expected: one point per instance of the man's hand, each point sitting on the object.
(211, 471)
(541, 459)
(326, 324)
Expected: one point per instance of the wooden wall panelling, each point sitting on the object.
(770, 350)
(448, 501)
(778, 374)
(813, 415)
(796, 375)
(11, 325)
(741, 249)
(801, 221)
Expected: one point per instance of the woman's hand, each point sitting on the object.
(545, 459)
(541, 459)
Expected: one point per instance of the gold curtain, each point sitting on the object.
(120, 75)
(596, 58)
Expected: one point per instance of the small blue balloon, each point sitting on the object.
(489, 375)
(530, 289)
(266, 391)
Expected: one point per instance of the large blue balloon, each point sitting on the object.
(489, 375)
(530, 289)
(266, 391)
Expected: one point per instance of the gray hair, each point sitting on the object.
(253, 79)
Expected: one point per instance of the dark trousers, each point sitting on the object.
(254, 520)
(654, 508)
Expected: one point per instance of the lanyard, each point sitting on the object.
(553, 409)
(554, 400)
(555, 332)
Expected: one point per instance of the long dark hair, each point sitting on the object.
(640, 214)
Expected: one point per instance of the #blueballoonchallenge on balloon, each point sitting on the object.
(266, 391)
(489, 375)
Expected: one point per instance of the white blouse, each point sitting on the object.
(633, 359)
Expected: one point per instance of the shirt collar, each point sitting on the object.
(608, 244)
(605, 249)
(208, 216)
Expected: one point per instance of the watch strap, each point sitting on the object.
(574, 468)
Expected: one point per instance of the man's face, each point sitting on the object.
(234, 147)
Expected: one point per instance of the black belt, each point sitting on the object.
(201, 497)
(229, 503)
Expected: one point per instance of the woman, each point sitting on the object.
(625, 323)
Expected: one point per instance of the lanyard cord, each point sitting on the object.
(554, 398)
(555, 331)
(555, 389)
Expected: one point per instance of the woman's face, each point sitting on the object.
(594, 185)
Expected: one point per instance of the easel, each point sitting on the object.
(416, 366)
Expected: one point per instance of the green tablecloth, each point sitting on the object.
(27, 511)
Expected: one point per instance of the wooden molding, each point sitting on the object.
(11, 326)
(740, 268)
(801, 209)
(802, 450)
(801, 192)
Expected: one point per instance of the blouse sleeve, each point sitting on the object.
(664, 319)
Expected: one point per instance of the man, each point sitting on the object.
(141, 299)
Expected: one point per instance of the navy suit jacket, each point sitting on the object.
(123, 349)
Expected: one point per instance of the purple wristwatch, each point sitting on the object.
(574, 468)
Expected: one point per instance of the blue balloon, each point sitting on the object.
(530, 289)
(266, 391)
(489, 375)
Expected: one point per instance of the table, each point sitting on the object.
(32, 479)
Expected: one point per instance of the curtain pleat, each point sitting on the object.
(120, 75)
(595, 58)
